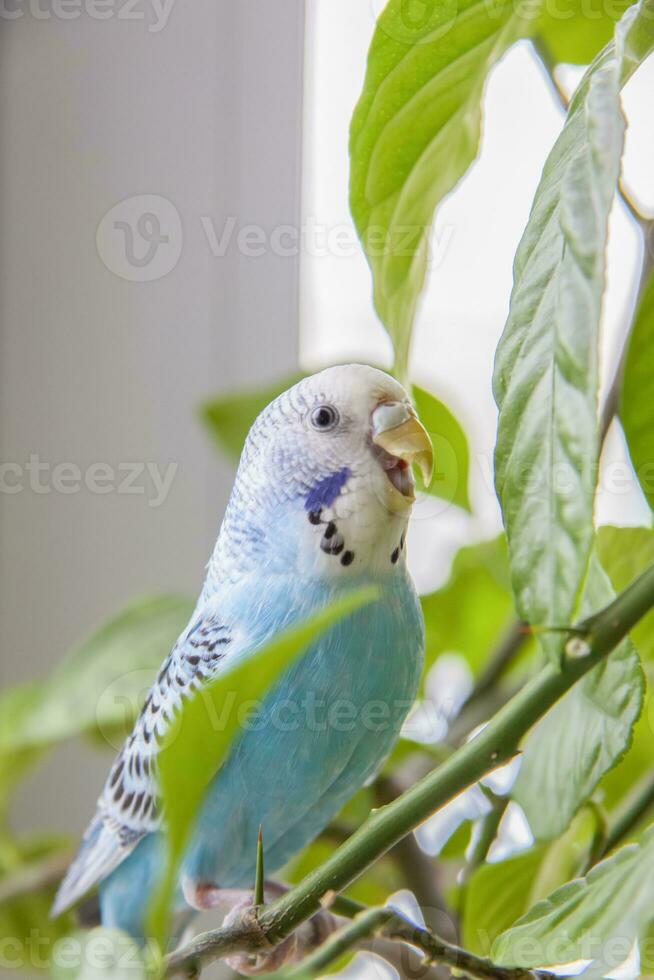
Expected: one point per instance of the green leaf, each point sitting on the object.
(619, 781)
(496, 895)
(100, 954)
(599, 916)
(25, 923)
(454, 849)
(414, 133)
(16, 704)
(101, 683)
(230, 417)
(473, 608)
(584, 734)
(196, 745)
(546, 371)
(637, 406)
(97, 689)
(576, 30)
(451, 456)
(625, 552)
(499, 893)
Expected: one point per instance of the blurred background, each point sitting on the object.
(175, 226)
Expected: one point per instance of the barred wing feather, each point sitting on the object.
(129, 806)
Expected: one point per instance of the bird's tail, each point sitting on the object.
(97, 857)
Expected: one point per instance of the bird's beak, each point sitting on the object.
(397, 430)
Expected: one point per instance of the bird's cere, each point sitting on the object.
(397, 431)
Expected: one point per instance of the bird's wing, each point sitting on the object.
(129, 806)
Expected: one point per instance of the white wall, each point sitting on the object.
(206, 113)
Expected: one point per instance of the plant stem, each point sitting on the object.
(385, 922)
(478, 713)
(366, 924)
(486, 698)
(348, 908)
(488, 828)
(438, 951)
(418, 870)
(510, 644)
(494, 745)
(407, 960)
(637, 804)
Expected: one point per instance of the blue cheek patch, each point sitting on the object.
(327, 490)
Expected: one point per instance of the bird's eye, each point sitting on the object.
(324, 417)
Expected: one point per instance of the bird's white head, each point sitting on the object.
(325, 483)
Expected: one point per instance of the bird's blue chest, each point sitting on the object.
(320, 733)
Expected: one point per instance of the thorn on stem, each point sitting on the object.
(260, 878)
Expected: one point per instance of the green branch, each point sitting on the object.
(509, 646)
(457, 959)
(498, 742)
(366, 924)
(420, 873)
(633, 810)
(486, 698)
(385, 923)
(488, 828)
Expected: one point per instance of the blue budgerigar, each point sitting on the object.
(320, 505)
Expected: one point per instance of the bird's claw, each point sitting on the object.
(294, 948)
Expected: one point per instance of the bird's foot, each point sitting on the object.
(294, 948)
(203, 896)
